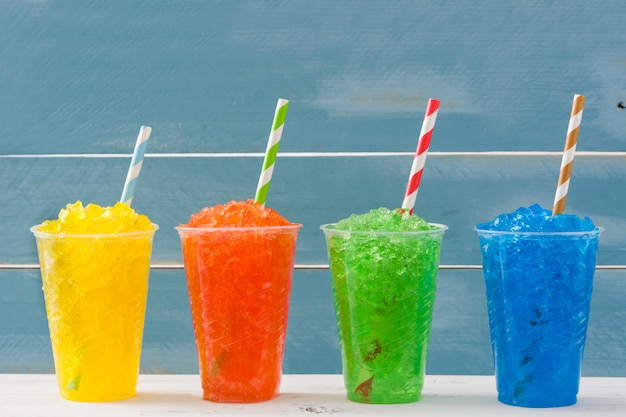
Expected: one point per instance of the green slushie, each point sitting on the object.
(384, 267)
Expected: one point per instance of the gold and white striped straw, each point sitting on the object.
(568, 154)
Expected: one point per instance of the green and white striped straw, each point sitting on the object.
(271, 151)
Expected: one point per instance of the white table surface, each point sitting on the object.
(25, 395)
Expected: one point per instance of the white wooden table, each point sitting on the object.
(24, 395)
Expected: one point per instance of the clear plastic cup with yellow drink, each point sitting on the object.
(95, 263)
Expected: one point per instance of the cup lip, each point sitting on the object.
(37, 233)
(183, 229)
(440, 227)
(595, 231)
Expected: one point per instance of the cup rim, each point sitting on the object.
(440, 227)
(596, 231)
(198, 229)
(37, 233)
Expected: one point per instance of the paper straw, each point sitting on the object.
(135, 165)
(271, 151)
(428, 125)
(568, 154)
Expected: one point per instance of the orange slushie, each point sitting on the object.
(239, 261)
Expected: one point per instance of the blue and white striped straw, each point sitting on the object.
(135, 165)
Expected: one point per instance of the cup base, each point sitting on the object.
(385, 399)
(563, 401)
(238, 399)
(96, 398)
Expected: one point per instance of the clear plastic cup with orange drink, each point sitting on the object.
(239, 261)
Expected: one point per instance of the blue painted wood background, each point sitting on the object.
(78, 79)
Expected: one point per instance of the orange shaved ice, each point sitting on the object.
(237, 214)
(239, 261)
(94, 219)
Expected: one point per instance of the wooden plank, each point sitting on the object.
(454, 396)
(459, 341)
(206, 75)
(457, 190)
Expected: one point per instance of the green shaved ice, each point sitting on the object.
(383, 219)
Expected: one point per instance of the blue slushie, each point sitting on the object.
(538, 271)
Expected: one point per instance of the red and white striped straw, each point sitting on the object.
(568, 154)
(428, 125)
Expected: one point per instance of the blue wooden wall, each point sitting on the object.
(78, 79)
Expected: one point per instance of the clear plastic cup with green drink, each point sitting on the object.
(384, 267)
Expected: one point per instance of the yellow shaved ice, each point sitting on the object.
(94, 219)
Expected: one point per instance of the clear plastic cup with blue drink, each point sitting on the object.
(538, 272)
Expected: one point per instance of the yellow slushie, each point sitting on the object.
(95, 263)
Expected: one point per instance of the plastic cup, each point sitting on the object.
(539, 287)
(95, 288)
(239, 284)
(384, 287)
